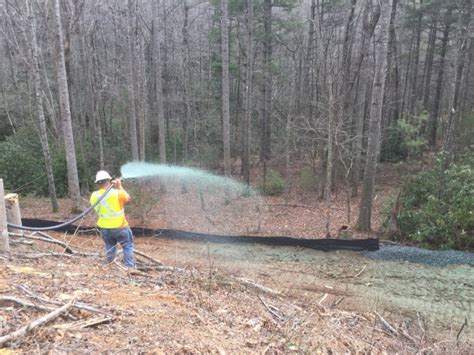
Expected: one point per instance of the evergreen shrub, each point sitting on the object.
(403, 140)
(308, 180)
(437, 206)
(273, 185)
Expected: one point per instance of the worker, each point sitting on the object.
(112, 224)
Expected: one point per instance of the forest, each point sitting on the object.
(319, 91)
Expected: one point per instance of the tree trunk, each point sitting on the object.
(94, 63)
(186, 79)
(225, 86)
(248, 107)
(346, 86)
(434, 116)
(73, 178)
(267, 82)
(390, 105)
(466, 30)
(38, 99)
(141, 82)
(12, 207)
(429, 63)
(368, 26)
(416, 62)
(330, 132)
(365, 207)
(131, 85)
(4, 243)
(156, 61)
(308, 62)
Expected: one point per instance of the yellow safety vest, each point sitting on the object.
(110, 211)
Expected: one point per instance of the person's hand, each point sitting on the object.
(117, 183)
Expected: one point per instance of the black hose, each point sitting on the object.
(58, 226)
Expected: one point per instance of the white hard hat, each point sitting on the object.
(102, 175)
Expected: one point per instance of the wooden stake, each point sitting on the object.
(4, 245)
(13, 210)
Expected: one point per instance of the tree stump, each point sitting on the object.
(13, 210)
(4, 245)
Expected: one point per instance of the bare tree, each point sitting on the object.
(433, 122)
(366, 202)
(156, 60)
(225, 85)
(131, 84)
(73, 178)
(267, 85)
(38, 98)
(466, 28)
(248, 107)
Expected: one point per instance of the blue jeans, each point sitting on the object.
(123, 236)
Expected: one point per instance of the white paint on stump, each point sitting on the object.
(4, 244)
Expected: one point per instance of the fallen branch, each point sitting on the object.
(361, 271)
(323, 298)
(35, 324)
(339, 300)
(460, 330)
(294, 205)
(387, 324)
(395, 331)
(84, 323)
(25, 242)
(142, 254)
(272, 312)
(51, 240)
(42, 255)
(77, 305)
(256, 286)
(25, 303)
(159, 268)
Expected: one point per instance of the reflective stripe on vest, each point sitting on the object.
(103, 203)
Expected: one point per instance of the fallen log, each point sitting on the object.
(23, 331)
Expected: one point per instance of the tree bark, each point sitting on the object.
(365, 207)
(12, 207)
(186, 79)
(73, 178)
(156, 60)
(225, 86)
(248, 107)
(368, 28)
(434, 116)
(416, 62)
(267, 83)
(329, 170)
(429, 63)
(38, 99)
(466, 30)
(308, 62)
(131, 86)
(4, 241)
